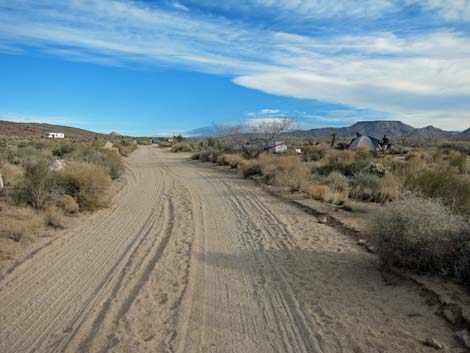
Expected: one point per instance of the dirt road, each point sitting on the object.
(189, 259)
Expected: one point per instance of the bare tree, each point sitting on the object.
(254, 137)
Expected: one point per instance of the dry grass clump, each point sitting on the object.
(371, 187)
(362, 153)
(325, 193)
(126, 147)
(251, 167)
(98, 155)
(11, 173)
(285, 171)
(17, 223)
(36, 181)
(182, 147)
(347, 163)
(452, 189)
(337, 181)
(423, 235)
(204, 156)
(54, 217)
(232, 160)
(390, 188)
(318, 191)
(69, 205)
(313, 153)
(87, 183)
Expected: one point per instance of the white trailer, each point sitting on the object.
(54, 135)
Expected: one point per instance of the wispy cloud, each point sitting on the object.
(179, 6)
(420, 73)
(266, 112)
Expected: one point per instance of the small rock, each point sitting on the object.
(322, 219)
(432, 342)
(449, 315)
(464, 337)
(371, 248)
(361, 242)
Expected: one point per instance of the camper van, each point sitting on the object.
(278, 147)
(54, 135)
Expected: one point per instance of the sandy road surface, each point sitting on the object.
(188, 259)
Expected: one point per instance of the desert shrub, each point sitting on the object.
(460, 146)
(87, 183)
(11, 173)
(466, 169)
(365, 187)
(250, 167)
(233, 160)
(54, 217)
(221, 159)
(113, 163)
(390, 188)
(423, 235)
(204, 156)
(196, 156)
(98, 155)
(36, 181)
(69, 205)
(214, 155)
(337, 182)
(17, 223)
(363, 153)
(285, 171)
(343, 162)
(313, 153)
(452, 189)
(63, 149)
(126, 147)
(371, 187)
(318, 191)
(182, 147)
(376, 168)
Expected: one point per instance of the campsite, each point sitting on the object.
(265, 176)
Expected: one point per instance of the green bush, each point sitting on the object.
(313, 153)
(182, 147)
(64, 149)
(36, 184)
(365, 187)
(98, 155)
(371, 187)
(452, 189)
(338, 182)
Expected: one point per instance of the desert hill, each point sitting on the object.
(13, 129)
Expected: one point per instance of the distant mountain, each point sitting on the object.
(370, 128)
(114, 134)
(464, 134)
(428, 132)
(12, 129)
(202, 132)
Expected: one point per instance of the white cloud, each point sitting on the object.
(450, 10)
(310, 8)
(265, 112)
(179, 6)
(422, 74)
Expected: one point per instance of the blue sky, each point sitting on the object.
(157, 67)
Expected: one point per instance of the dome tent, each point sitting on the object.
(368, 142)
